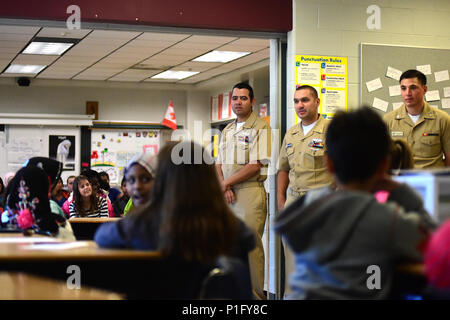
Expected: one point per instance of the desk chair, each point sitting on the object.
(228, 279)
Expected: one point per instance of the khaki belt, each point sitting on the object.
(249, 184)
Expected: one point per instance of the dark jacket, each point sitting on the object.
(337, 236)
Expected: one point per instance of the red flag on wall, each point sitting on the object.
(169, 119)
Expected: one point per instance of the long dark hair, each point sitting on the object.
(78, 199)
(195, 223)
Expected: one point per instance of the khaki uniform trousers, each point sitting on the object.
(289, 256)
(251, 207)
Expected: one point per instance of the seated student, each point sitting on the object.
(69, 185)
(95, 181)
(182, 224)
(113, 193)
(8, 177)
(2, 195)
(139, 175)
(57, 193)
(437, 262)
(53, 169)
(401, 156)
(121, 202)
(338, 235)
(86, 202)
(28, 205)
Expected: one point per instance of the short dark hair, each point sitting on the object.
(311, 89)
(357, 142)
(412, 73)
(103, 174)
(244, 85)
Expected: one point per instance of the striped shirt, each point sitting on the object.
(101, 212)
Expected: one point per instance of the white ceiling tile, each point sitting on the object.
(15, 75)
(196, 66)
(162, 36)
(18, 29)
(6, 56)
(151, 44)
(22, 37)
(62, 76)
(252, 42)
(209, 39)
(35, 59)
(134, 75)
(108, 34)
(91, 77)
(161, 80)
(106, 54)
(63, 33)
(18, 45)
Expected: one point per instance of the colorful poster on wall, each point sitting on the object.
(328, 75)
(112, 150)
(62, 148)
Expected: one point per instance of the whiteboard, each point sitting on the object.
(18, 143)
(112, 149)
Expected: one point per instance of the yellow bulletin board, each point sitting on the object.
(328, 75)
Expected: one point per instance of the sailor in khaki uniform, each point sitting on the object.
(301, 164)
(244, 154)
(426, 129)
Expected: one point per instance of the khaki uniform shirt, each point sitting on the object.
(250, 143)
(429, 138)
(304, 157)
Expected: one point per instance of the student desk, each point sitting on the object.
(135, 274)
(84, 228)
(109, 269)
(23, 286)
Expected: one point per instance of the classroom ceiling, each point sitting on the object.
(105, 55)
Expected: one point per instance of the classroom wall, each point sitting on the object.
(117, 101)
(337, 27)
(123, 101)
(257, 76)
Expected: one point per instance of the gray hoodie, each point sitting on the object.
(337, 235)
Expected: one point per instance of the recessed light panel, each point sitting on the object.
(20, 68)
(171, 74)
(220, 56)
(51, 48)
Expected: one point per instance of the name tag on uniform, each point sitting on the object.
(426, 134)
(397, 133)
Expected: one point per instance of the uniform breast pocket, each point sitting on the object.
(430, 146)
(242, 153)
(315, 158)
(290, 155)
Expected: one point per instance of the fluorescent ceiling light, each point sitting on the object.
(171, 74)
(220, 56)
(53, 48)
(20, 68)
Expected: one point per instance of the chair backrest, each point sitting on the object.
(228, 279)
